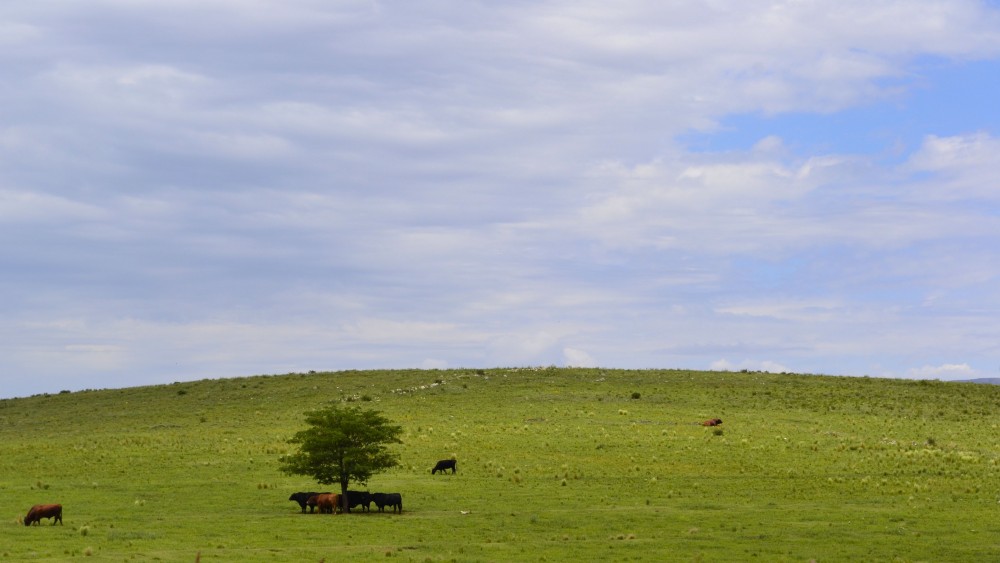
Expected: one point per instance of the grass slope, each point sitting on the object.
(554, 464)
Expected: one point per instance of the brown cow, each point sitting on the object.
(40, 511)
(712, 422)
(304, 498)
(328, 503)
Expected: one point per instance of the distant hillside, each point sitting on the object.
(988, 380)
(561, 464)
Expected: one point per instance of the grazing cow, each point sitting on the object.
(355, 498)
(382, 500)
(40, 511)
(445, 464)
(328, 503)
(303, 500)
(712, 422)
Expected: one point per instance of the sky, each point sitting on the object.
(219, 188)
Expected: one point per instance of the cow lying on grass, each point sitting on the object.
(712, 422)
(40, 511)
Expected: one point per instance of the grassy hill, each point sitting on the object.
(554, 464)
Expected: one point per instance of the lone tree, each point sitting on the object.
(343, 445)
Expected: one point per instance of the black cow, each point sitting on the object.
(303, 500)
(382, 500)
(354, 498)
(445, 464)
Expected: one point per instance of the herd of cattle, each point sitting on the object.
(328, 503)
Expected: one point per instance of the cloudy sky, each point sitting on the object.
(213, 188)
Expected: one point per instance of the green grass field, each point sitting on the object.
(553, 464)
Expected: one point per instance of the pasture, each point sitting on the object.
(553, 464)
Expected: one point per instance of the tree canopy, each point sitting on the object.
(343, 445)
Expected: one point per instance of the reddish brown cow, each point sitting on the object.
(328, 503)
(40, 511)
(712, 422)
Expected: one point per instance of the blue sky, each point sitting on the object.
(937, 97)
(224, 188)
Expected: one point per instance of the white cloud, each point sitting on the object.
(126, 90)
(14, 34)
(944, 371)
(574, 357)
(964, 167)
(957, 153)
(431, 363)
(522, 347)
(387, 331)
(273, 186)
(737, 203)
(797, 310)
(23, 206)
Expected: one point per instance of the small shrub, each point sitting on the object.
(636, 395)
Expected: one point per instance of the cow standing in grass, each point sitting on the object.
(382, 500)
(712, 422)
(444, 465)
(40, 511)
(303, 500)
(355, 498)
(328, 502)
